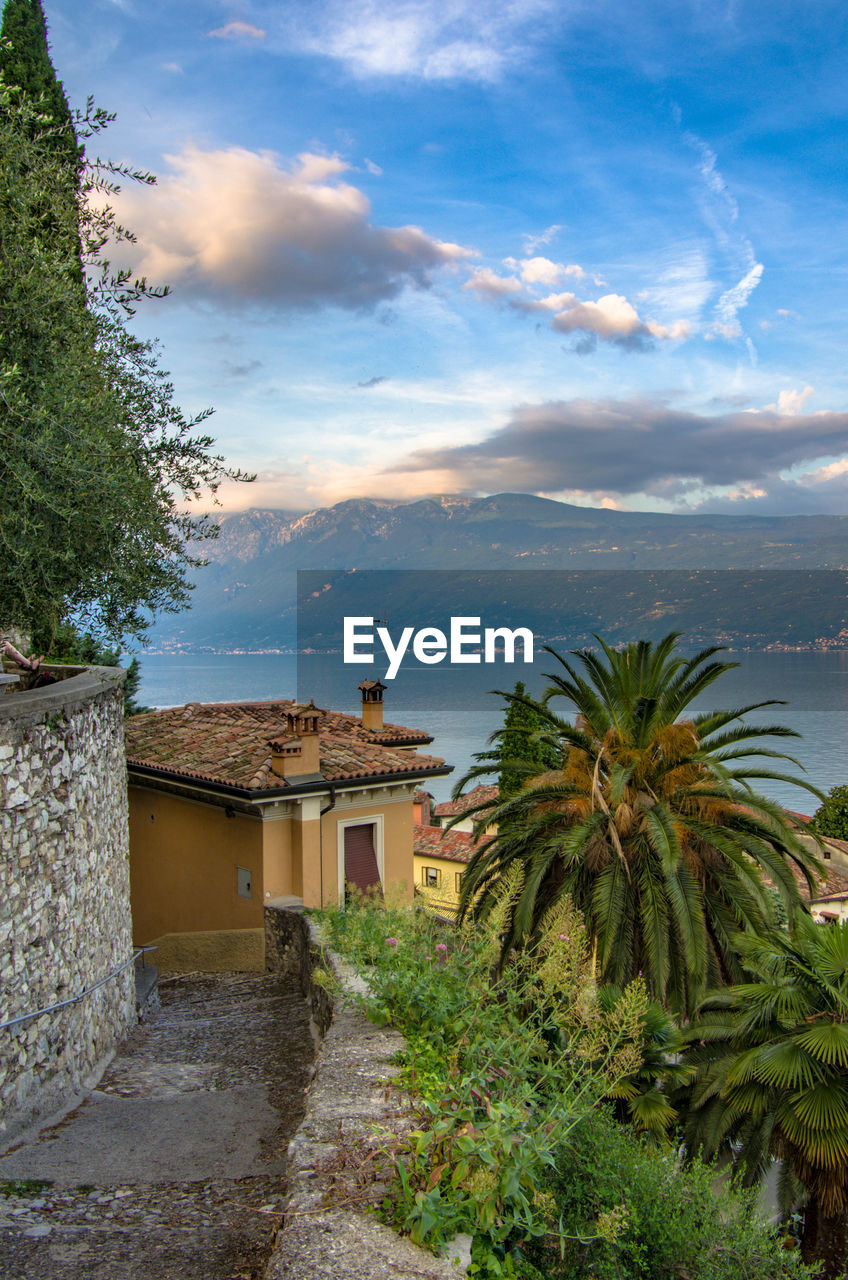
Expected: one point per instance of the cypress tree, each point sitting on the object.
(520, 755)
(25, 64)
(26, 68)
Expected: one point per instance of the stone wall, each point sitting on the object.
(64, 889)
(292, 948)
(330, 1231)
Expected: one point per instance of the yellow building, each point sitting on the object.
(234, 805)
(440, 859)
(465, 811)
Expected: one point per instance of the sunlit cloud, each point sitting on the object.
(473, 40)
(625, 447)
(239, 31)
(241, 228)
(792, 401)
(610, 318)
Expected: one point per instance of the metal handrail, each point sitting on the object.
(63, 1004)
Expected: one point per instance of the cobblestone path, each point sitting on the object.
(173, 1169)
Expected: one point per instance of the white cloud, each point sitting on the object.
(238, 226)
(532, 243)
(542, 271)
(791, 402)
(732, 301)
(432, 39)
(172, 66)
(721, 213)
(488, 284)
(239, 31)
(611, 318)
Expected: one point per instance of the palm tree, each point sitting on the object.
(651, 823)
(772, 1078)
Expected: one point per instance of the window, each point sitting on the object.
(431, 876)
(458, 879)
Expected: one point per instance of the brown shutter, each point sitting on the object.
(360, 858)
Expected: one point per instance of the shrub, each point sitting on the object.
(631, 1212)
(509, 1067)
(831, 818)
(505, 1064)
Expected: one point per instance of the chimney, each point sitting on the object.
(372, 705)
(297, 752)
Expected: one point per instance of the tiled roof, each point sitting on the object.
(827, 885)
(804, 820)
(228, 743)
(433, 842)
(482, 794)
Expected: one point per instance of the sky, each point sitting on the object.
(594, 251)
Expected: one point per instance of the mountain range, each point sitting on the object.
(245, 596)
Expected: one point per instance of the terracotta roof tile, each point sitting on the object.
(228, 742)
(482, 794)
(831, 883)
(804, 820)
(452, 846)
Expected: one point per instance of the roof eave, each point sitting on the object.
(287, 792)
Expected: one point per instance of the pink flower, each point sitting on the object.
(441, 946)
(564, 937)
(391, 942)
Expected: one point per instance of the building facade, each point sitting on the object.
(234, 805)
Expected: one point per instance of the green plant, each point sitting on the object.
(520, 751)
(772, 1058)
(651, 823)
(831, 818)
(24, 1187)
(66, 644)
(504, 1065)
(630, 1211)
(97, 462)
(644, 1098)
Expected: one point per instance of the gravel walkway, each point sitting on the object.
(173, 1169)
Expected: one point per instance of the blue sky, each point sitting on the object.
(595, 251)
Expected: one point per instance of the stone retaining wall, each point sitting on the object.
(349, 1103)
(64, 888)
(293, 948)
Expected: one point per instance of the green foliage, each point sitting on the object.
(512, 1146)
(68, 645)
(25, 63)
(772, 1057)
(24, 1187)
(96, 460)
(831, 819)
(519, 751)
(650, 823)
(630, 1212)
(644, 1097)
(504, 1068)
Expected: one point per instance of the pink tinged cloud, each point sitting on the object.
(238, 31)
(611, 318)
(633, 446)
(237, 226)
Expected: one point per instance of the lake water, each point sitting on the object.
(453, 703)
